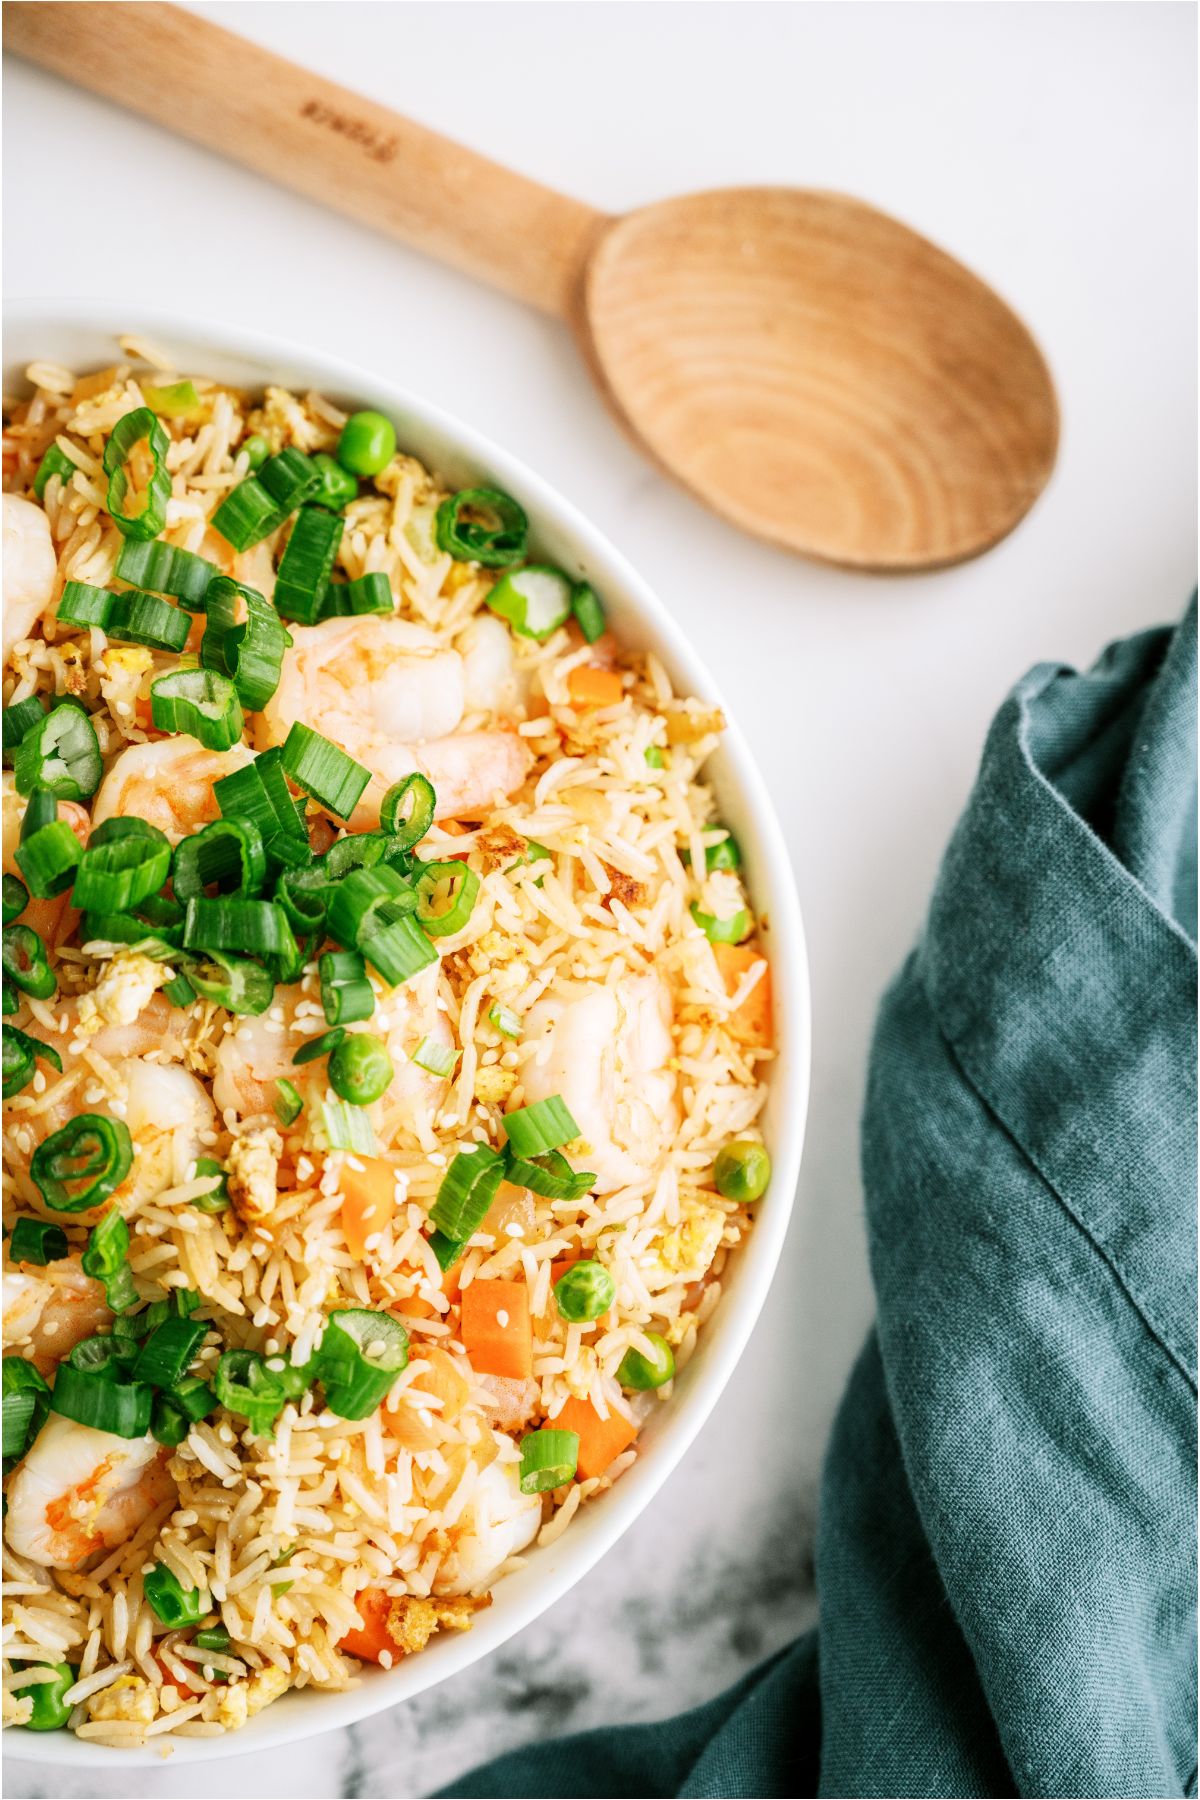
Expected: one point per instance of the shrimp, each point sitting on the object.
(605, 1050)
(168, 1114)
(169, 783)
(30, 568)
(497, 1522)
(46, 1314)
(159, 1030)
(80, 1490)
(260, 1049)
(393, 696)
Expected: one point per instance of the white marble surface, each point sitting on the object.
(1052, 147)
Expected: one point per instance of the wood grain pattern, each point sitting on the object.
(806, 366)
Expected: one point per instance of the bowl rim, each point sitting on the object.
(556, 1568)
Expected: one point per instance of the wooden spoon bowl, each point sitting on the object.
(806, 366)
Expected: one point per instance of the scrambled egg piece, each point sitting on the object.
(493, 1084)
(122, 992)
(411, 1622)
(125, 668)
(253, 1166)
(129, 1698)
(683, 1252)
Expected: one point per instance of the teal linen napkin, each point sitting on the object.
(1006, 1553)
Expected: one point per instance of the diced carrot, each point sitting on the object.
(589, 686)
(496, 1329)
(368, 1202)
(88, 386)
(373, 1608)
(753, 1022)
(601, 1441)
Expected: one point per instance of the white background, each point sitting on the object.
(1052, 148)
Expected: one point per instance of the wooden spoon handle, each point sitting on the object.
(320, 139)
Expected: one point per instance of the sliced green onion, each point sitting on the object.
(360, 1069)
(179, 990)
(548, 1459)
(346, 993)
(584, 1292)
(61, 753)
(247, 515)
(363, 849)
(169, 1352)
(535, 601)
(25, 962)
(348, 1127)
(26, 1401)
(41, 809)
(227, 856)
(138, 618)
(260, 792)
(435, 1058)
(288, 1102)
(654, 757)
(166, 569)
(304, 897)
(724, 855)
(173, 1413)
(106, 1260)
(216, 1199)
(306, 564)
(85, 606)
(367, 444)
(201, 702)
(252, 927)
(395, 946)
(54, 462)
(544, 1125)
(16, 898)
(110, 830)
(92, 1150)
(162, 944)
(256, 450)
(447, 1250)
(173, 401)
(120, 872)
(17, 721)
(589, 614)
(148, 519)
(49, 858)
(316, 1047)
(244, 640)
(21, 1054)
(360, 1355)
(482, 525)
(334, 780)
(234, 982)
(173, 1604)
(360, 895)
(245, 1385)
(336, 487)
(506, 1021)
(112, 1355)
(641, 1373)
(97, 1397)
(289, 478)
(467, 1190)
(368, 594)
(37, 1241)
(407, 810)
(722, 931)
(214, 1638)
(446, 895)
(551, 1176)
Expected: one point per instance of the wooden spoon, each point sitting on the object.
(805, 365)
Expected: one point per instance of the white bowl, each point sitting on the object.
(84, 338)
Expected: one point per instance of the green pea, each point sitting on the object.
(724, 855)
(360, 1068)
(49, 1713)
(584, 1291)
(742, 1170)
(638, 1371)
(256, 450)
(337, 488)
(367, 443)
